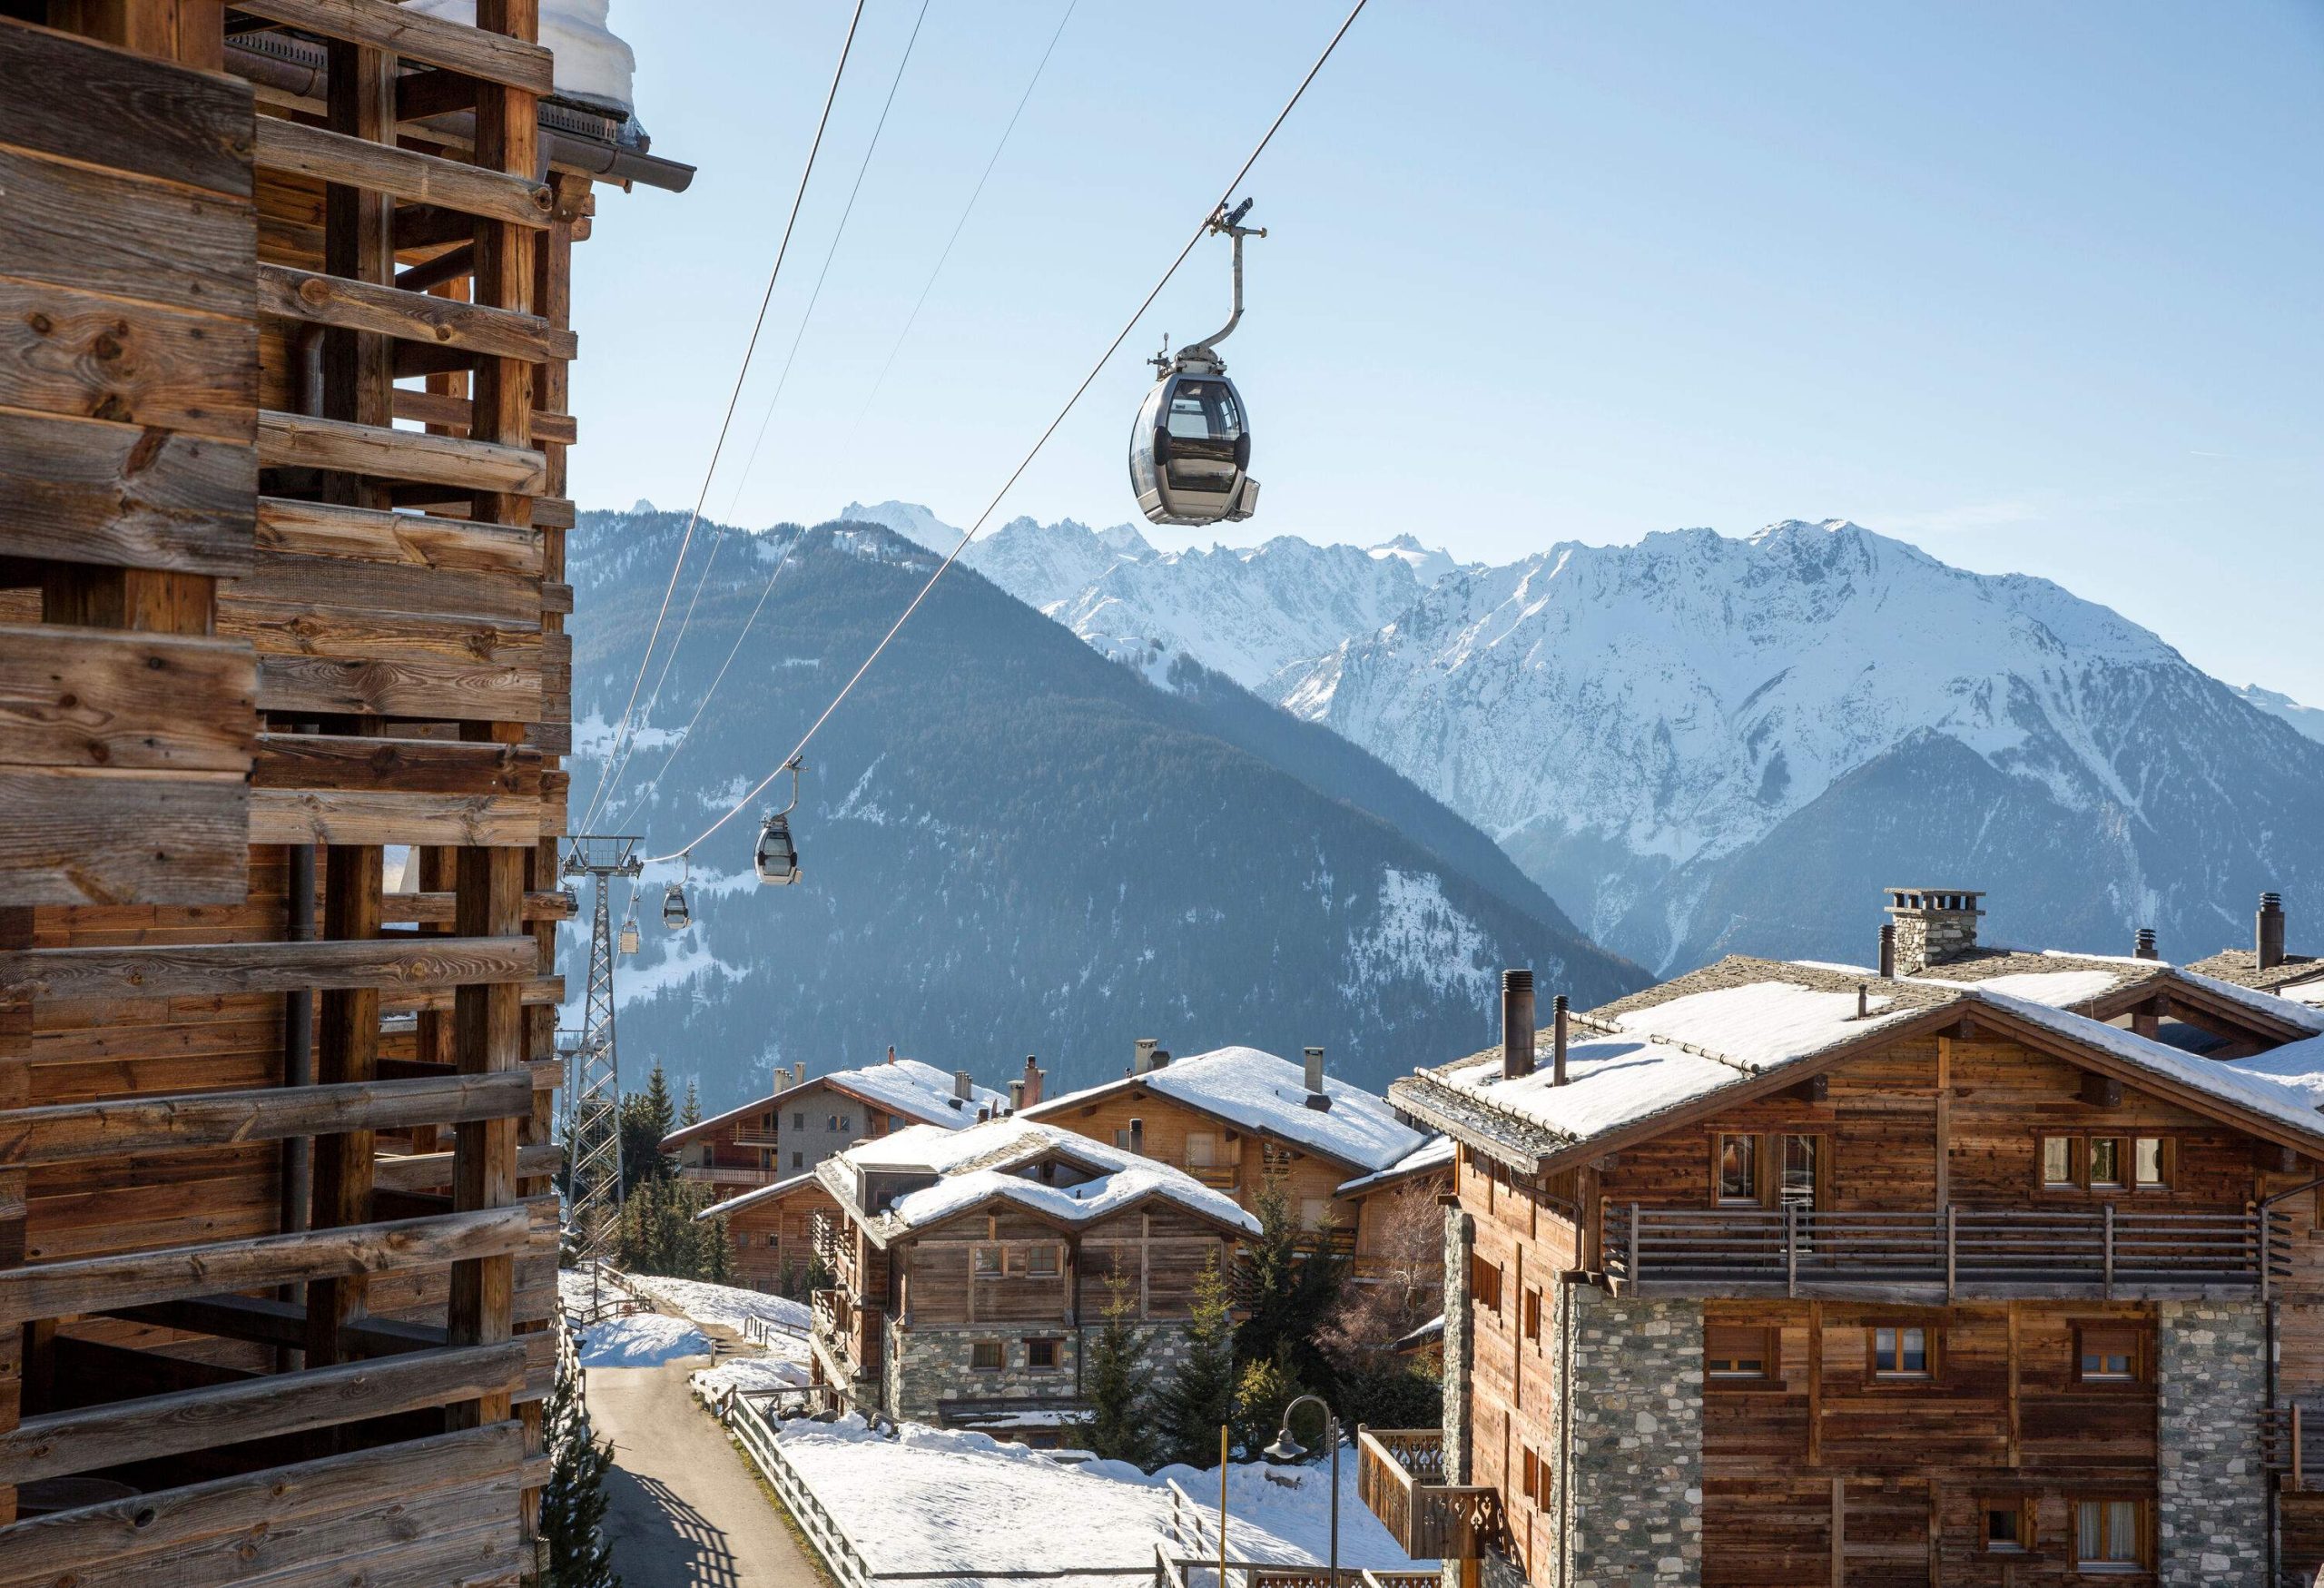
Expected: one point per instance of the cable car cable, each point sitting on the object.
(1201, 231)
(750, 348)
(686, 622)
(685, 735)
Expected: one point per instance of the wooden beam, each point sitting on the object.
(297, 441)
(63, 841)
(103, 698)
(252, 1504)
(74, 1132)
(409, 540)
(61, 1444)
(290, 817)
(354, 764)
(418, 317)
(67, 351)
(85, 490)
(2015, 1447)
(79, 1285)
(435, 909)
(347, 1053)
(438, 408)
(264, 1321)
(414, 35)
(487, 1040)
(2101, 1092)
(119, 109)
(417, 179)
(432, 1171)
(203, 969)
(1944, 1184)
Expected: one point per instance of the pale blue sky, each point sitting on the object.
(2035, 286)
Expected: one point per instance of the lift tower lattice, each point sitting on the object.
(593, 1077)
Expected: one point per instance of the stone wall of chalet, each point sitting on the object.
(1632, 1507)
(2211, 1382)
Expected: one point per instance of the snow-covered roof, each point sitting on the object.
(594, 65)
(1668, 1047)
(774, 1193)
(984, 1162)
(2297, 1065)
(1259, 1091)
(900, 1086)
(1437, 1153)
(2283, 1006)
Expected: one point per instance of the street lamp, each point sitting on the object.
(1286, 1449)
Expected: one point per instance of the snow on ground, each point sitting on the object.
(644, 1339)
(724, 1307)
(750, 1374)
(932, 1501)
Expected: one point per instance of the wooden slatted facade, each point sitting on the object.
(278, 1230)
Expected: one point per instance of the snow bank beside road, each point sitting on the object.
(724, 1307)
(645, 1339)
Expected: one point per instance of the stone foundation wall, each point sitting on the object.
(1459, 1235)
(1632, 1480)
(2210, 1384)
(927, 1365)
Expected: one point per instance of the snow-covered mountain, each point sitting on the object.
(2307, 719)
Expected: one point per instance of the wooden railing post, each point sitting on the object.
(1952, 1249)
(2107, 1235)
(1636, 1258)
(2295, 1447)
(2267, 1233)
(1791, 1251)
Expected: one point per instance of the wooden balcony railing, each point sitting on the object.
(2291, 1444)
(1400, 1473)
(853, 1330)
(1219, 1176)
(755, 1135)
(2108, 1252)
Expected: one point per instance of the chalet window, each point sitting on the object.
(798, 1159)
(1532, 1315)
(2009, 1526)
(2151, 1163)
(798, 1122)
(985, 1357)
(1202, 1148)
(1903, 1351)
(1484, 1282)
(2107, 1353)
(985, 1261)
(1799, 1164)
(1040, 1262)
(1737, 1168)
(2110, 1535)
(1736, 1354)
(2061, 1165)
(2105, 1163)
(1040, 1355)
(773, 1239)
(1532, 1478)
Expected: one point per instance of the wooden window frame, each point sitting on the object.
(999, 1269)
(2122, 1170)
(1718, 1196)
(1484, 1276)
(2139, 1353)
(1767, 1170)
(2022, 1505)
(1932, 1352)
(2077, 1176)
(1057, 1261)
(1533, 1314)
(2084, 1182)
(1770, 1353)
(1056, 1357)
(2166, 1162)
(1000, 1349)
(2143, 1544)
(1531, 1487)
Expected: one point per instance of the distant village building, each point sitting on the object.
(1999, 1268)
(970, 1268)
(1239, 1118)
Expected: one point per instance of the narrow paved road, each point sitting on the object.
(684, 1510)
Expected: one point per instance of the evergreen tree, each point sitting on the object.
(573, 1502)
(691, 1114)
(1261, 1390)
(1201, 1394)
(645, 1118)
(1290, 1287)
(1118, 1382)
(660, 1233)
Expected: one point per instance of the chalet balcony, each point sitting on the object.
(852, 1332)
(757, 1136)
(1400, 1473)
(726, 1175)
(1219, 1176)
(1942, 1255)
(2291, 1445)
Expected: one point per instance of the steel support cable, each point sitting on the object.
(758, 323)
(612, 777)
(1027, 462)
(640, 791)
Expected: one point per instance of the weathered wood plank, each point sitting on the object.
(296, 816)
(412, 964)
(296, 440)
(418, 317)
(417, 37)
(419, 178)
(440, 408)
(173, 1273)
(362, 534)
(400, 689)
(265, 1321)
(144, 1526)
(432, 1171)
(89, 491)
(71, 96)
(353, 763)
(435, 909)
(106, 232)
(95, 697)
(63, 1442)
(106, 837)
(334, 584)
(541, 991)
(72, 1131)
(86, 356)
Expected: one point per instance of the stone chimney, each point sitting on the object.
(960, 1086)
(1557, 1039)
(1161, 1060)
(1016, 1096)
(2270, 933)
(801, 1069)
(1034, 1075)
(2144, 947)
(1142, 1058)
(1317, 1097)
(1934, 926)
(1516, 1024)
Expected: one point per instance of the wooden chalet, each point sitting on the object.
(774, 1232)
(969, 1267)
(283, 419)
(1783, 1274)
(802, 1122)
(1239, 1119)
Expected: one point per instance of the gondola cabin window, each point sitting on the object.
(1734, 1353)
(1903, 1352)
(2110, 1535)
(1737, 1164)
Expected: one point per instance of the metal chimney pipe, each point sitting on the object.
(2270, 934)
(1887, 951)
(960, 1086)
(1161, 1060)
(1016, 1096)
(1142, 1060)
(1317, 1097)
(1863, 1000)
(1517, 1030)
(2143, 948)
(1557, 1039)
